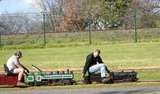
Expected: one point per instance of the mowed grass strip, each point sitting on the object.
(115, 56)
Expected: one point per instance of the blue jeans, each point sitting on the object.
(98, 68)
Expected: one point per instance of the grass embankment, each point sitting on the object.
(66, 39)
(116, 57)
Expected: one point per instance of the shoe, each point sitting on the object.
(20, 84)
(105, 80)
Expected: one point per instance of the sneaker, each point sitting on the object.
(20, 84)
(105, 80)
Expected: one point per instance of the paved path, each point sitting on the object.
(128, 90)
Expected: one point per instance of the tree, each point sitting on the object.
(74, 16)
(19, 23)
(64, 15)
(147, 11)
(108, 13)
(53, 9)
(113, 10)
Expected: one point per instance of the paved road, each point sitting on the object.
(128, 90)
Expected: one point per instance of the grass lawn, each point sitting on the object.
(115, 56)
(64, 39)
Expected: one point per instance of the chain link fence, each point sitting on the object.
(29, 30)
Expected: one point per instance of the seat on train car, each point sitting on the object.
(9, 78)
(92, 77)
(7, 72)
(95, 77)
(127, 76)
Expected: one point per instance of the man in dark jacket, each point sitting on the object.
(94, 63)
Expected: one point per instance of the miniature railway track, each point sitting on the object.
(67, 78)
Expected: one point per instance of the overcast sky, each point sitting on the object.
(12, 6)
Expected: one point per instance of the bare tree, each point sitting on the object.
(147, 12)
(53, 10)
(74, 16)
(150, 10)
(19, 23)
(64, 15)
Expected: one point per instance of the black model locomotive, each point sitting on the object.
(114, 77)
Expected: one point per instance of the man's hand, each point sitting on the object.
(27, 70)
(24, 68)
(83, 76)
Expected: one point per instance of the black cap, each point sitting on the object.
(18, 53)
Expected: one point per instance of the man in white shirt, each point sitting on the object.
(15, 66)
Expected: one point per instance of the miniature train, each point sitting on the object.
(39, 77)
(114, 77)
(49, 78)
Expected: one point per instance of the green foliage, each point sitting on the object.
(113, 11)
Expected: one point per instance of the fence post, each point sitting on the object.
(135, 25)
(89, 20)
(44, 28)
(90, 37)
(0, 40)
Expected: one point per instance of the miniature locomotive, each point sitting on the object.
(49, 78)
(114, 77)
(40, 77)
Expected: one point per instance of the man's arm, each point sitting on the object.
(88, 61)
(99, 59)
(19, 65)
(24, 68)
(85, 68)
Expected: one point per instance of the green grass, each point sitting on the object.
(116, 57)
(149, 75)
(65, 39)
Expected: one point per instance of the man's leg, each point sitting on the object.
(20, 72)
(98, 67)
(107, 70)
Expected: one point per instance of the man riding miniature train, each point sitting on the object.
(94, 64)
(15, 67)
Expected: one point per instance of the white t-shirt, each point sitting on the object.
(11, 63)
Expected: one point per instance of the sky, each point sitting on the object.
(12, 6)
